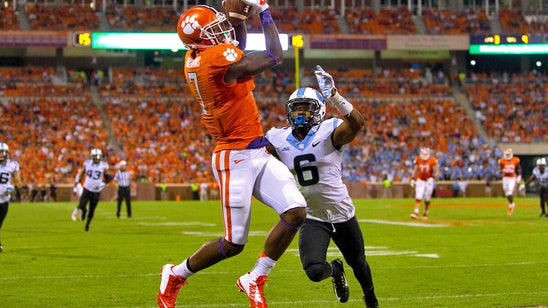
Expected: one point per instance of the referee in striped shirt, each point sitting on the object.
(123, 179)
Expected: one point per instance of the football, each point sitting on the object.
(236, 11)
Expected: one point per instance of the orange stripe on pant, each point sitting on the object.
(223, 171)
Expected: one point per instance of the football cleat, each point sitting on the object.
(254, 289)
(371, 302)
(1, 248)
(170, 284)
(340, 285)
(510, 211)
(414, 215)
(425, 216)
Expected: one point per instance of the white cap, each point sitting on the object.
(122, 163)
(541, 161)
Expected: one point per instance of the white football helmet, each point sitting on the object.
(4, 151)
(508, 154)
(425, 153)
(541, 162)
(299, 118)
(96, 155)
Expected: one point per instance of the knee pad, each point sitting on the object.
(317, 272)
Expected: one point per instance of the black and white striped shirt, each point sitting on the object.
(123, 178)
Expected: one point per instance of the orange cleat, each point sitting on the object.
(254, 289)
(169, 287)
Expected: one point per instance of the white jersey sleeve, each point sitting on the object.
(316, 165)
(6, 171)
(94, 175)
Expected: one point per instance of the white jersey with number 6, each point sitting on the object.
(6, 171)
(316, 165)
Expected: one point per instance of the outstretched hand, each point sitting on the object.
(258, 5)
(325, 82)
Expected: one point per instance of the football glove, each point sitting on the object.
(10, 188)
(325, 82)
(521, 187)
(412, 183)
(77, 190)
(101, 186)
(258, 5)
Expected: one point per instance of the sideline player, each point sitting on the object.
(220, 76)
(541, 176)
(312, 149)
(95, 171)
(426, 169)
(511, 176)
(10, 179)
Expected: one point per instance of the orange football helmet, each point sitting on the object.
(425, 153)
(202, 26)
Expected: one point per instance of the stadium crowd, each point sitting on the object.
(145, 116)
(65, 15)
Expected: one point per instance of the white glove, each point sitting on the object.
(325, 81)
(258, 5)
(101, 186)
(10, 188)
(412, 183)
(521, 187)
(77, 189)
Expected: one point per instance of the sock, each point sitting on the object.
(511, 205)
(182, 270)
(263, 266)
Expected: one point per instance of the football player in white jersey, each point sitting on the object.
(95, 171)
(10, 179)
(312, 149)
(541, 175)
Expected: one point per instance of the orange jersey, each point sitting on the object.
(229, 111)
(425, 168)
(509, 167)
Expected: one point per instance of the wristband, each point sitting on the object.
(342, 105)
(266, 17)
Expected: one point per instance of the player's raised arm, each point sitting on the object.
(259, 61)
(354, 120)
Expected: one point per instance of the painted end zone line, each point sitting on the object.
(401, 223)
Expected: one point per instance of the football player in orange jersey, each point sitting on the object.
(220, 76)
(426, 169)
(511, 176)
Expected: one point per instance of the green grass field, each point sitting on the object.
(470, 253)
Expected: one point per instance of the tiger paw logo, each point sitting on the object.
(189, 25)
(230, 54)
